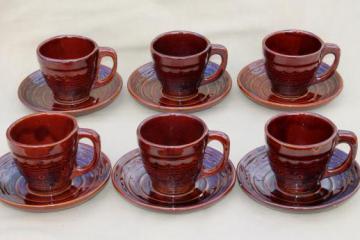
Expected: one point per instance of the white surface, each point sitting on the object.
(129, 26)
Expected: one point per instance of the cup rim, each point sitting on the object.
(43, 57)
(142, 139)
(69, 135)
(266, 48)
(300, 146)
(153, 50)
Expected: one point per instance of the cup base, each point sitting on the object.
(309, 197)
(70, 102)
(290, 95)
(180, 98)
(185, 191)
(176, 198)
(47, 194)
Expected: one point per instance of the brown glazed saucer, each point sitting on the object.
(14, 191)
(35, 94)
(254, 82)
(133, 183)
(144, 86)
(257, 180)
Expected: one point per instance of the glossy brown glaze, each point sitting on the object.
(300, 146)
(14, 190)
(131, 180)
(256, 85)
(172, 148)
(44, 148)
(70, 65)
(258, 181)
(35, 94)
(145, 87)
(292, 58)
(180, 59)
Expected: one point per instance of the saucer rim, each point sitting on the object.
(287, 106)
(195, 108)
(63, 205)
(294, 209)
(120, 162)
(73, 112)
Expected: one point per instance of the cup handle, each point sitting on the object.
(350, 138)
(95, 139)
(217, 49)
(225, 141)
(329, 48)
(106, 52)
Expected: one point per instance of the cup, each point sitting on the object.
(180, 59)
(172, 147)
(300, 146)
(293, 58)
(70, 65)
(44, 147)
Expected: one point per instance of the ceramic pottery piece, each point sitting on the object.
(173, 147)
(131, 180)
(300, 146)
(255, 84)
(292, 60)
(14, 188)
(36, 95)
(180, 59)
(44, 148)
(70, 66)
(258, 181)
(145, 87)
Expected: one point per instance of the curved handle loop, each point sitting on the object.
(350, 138)
(217, 49)
(106, 52)
(329, 48)
(95, 139)
(225, 141)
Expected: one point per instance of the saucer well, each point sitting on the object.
(14, 191)
(133, 183)
(144, 86)
(257, 180)
(255, 84)
(34, 93)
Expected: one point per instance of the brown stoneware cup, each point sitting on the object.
(173, 146)
(299, 147)
(70, 65)
(292, 58)
(44, 148)
(180, 59)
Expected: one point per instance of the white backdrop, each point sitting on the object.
(129, 26)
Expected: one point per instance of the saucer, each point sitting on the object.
(144, 86)
(254, 82)
(35, 94)
(133, 183)
(257, 180)
(14, 191)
